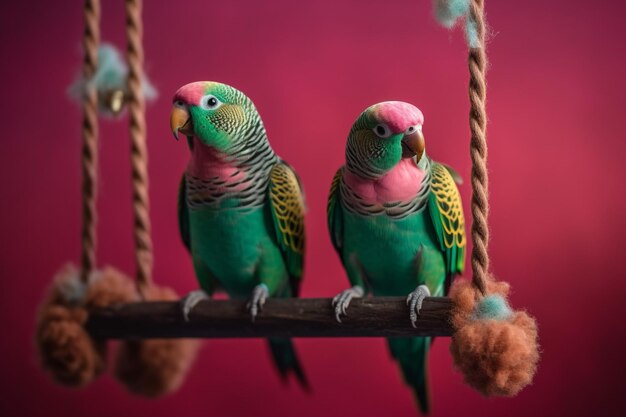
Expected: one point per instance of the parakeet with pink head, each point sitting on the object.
(240, 207)
(396, 220)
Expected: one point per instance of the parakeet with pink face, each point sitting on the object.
(240, 209)
(396, 220)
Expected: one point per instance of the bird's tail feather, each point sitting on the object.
(286, 361)
(411, 355)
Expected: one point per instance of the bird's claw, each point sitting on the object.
(257, 300)
(192, 299)
(414, 300)
(341, 301)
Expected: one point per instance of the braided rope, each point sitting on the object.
(89, 134)
(139, 154)
(478, 150)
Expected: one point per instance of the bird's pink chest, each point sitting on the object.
(402, 184)
(209, 164)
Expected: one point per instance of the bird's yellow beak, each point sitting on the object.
(180, 121)
(414, 145)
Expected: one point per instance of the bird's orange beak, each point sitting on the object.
(413, 145)
(180, 121)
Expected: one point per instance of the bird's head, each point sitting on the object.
(383, 135)
(218, 115)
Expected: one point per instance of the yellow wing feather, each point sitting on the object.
(288, 208)
(332, 216)
(450, 208)
(333, 189)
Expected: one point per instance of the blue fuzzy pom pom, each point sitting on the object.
(493, 307)
(111, 75)
(471, 34)
(448, 13)
(112, 69)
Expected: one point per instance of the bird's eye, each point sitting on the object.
(179, 103)
(382, 131)
(412, 129)
(210, 102)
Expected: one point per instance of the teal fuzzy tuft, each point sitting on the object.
(449, 12)
(471, 34)
(493, 307)
(110, 76)
(112, 69)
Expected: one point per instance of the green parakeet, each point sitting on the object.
(396, 220)
(241, 208)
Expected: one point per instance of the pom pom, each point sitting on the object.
(155, 367)
(495, 348)
(109, 287)
(65, 349)
(449, 12)
(493, 307)
(110, 82)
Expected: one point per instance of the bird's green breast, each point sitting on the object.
(232, 242)
(387, 251)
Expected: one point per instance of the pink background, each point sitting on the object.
(556, 109)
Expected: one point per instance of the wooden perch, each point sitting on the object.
(293, 317)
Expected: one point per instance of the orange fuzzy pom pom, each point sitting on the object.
(64, 347)
(155, 367)
(496, 357)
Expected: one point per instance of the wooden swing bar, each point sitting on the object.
(288, 317)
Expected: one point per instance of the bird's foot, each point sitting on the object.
(257, 300)
(415, 300)
(342, 300)
(188, 302)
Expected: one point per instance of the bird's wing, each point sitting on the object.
(455, 175)
(333, 213)
(446, 212)
(287, 208)
(183, 214)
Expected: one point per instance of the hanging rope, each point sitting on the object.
(71, 354)
(157, 366)
(66, 350)
(478, 148)
(139, 154)
(495, 347)
(89, 133)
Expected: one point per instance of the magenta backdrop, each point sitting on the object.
(556, 110)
